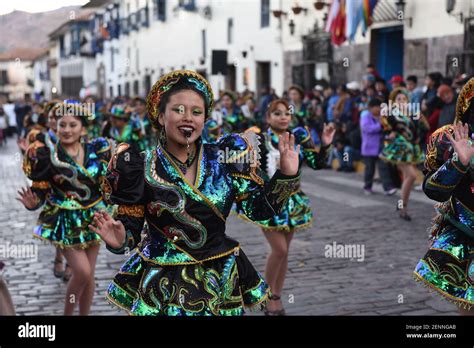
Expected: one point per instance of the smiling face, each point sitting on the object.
(279, 118)
(70, 129)
(183, 117)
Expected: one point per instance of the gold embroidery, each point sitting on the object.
(106, 189)
(42, 185)
(131, 210)
(285, 188)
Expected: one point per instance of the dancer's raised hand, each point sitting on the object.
(289, 156)
(463, 146)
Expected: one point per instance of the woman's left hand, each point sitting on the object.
(328, 134)
(289, 156)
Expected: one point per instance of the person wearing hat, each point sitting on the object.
(119, 126)
(448, 107)
(448, 266)
(143, 134)
(184, 190)
(396, 81)
(66, 176)
(51, 111)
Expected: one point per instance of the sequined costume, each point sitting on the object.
(235, 121)
(448, 266)
(186, 265)
(297, 213)
(211, 132)
(127, 133)
(405, 147)
(300, 117)
(68, 192)
(142, 132)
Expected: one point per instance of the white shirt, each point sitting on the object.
(10, 112)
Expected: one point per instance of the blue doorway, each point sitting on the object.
(389, 51)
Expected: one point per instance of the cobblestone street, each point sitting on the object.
(380, 284)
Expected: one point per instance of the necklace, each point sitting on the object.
(183, 166)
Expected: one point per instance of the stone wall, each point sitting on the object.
(423, 56)
(290, 58)
(352, 69)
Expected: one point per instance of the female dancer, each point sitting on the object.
(66, 176)
(402, 145)
(234, 120)
(37, 135)
(184, 190)
(448, 266)
(296, 213)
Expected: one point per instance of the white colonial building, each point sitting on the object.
(236, 44)
(241, 44)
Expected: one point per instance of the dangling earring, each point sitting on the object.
(82, 140)
(162, 136)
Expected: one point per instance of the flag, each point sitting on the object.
(366, 12)
(332, 14)
(353, 17)
(338, 26)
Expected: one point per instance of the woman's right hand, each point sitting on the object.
(28, 198)
(111, 231)
(461, 143)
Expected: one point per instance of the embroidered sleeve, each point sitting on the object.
(316, 159)
(258, 199)
(123, 185)
(37, 167)
(443, 169)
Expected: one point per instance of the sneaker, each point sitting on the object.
(368, 191)
(418, 187)
(390, 192)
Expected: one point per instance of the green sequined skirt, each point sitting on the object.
(448, 266)
(66, 228)
(401, 150)
(296, 214)
(222, 286)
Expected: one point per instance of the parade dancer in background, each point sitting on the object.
(233, 119)
(120, 128)
(143, 134)
(296, 213)
(448, 266)
(184, 190)
(40, 135)
(66, 176)
(300, 109)
(402, 142)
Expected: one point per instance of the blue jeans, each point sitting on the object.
(345, 157)
(384, 172)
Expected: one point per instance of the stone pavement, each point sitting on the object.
(380, 284)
